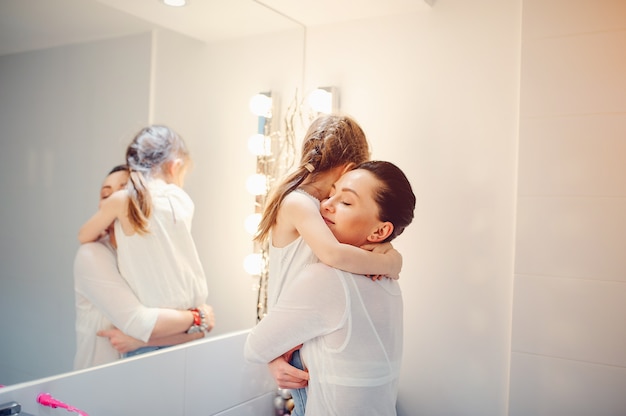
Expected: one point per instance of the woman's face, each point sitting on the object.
(114, 182)
(350, 211)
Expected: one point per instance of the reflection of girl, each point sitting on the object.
(156, 252)
(291, 221)
(350, 327)
(103, 300)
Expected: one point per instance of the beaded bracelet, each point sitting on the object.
(199, 321)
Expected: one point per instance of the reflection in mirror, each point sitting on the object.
(70, 107)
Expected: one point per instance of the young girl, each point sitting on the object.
(298, 236)
(152, 221)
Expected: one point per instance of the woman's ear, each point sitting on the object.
(381, 232)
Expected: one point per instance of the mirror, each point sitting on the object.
(69, 108)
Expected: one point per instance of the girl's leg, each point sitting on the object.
(141, 350)
(299, 395)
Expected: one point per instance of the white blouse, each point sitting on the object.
(104, 300)
(351, 328)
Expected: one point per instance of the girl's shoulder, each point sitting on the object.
(298, 205)
(299, 196)
(299, 200)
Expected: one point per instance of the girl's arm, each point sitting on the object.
(110, 209)
(306, 218)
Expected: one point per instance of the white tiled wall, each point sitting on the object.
(569, 308)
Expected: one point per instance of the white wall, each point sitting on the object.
(569, 337)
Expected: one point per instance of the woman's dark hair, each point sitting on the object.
(119, 168)
(395, 197)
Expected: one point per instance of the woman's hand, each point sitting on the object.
(120, 341)
(209, 316)
(286, 375)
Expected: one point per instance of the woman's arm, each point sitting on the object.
(97, 278)
(110, 209)
(125, 343)
(314, 304)
(306, 218)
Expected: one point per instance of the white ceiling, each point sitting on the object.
(36, 24)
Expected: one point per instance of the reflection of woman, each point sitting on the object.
(152, 216)
(104, 300)
(350, 327)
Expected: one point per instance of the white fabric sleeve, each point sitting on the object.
(313, 304)
(98, 279)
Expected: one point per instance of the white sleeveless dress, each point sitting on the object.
(162, 267)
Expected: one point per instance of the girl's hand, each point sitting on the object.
(381, 248)
(120, 341)
(376, 277)
(387, 249)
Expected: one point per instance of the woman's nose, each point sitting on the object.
(327, 204)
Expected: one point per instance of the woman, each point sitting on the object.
(350, 327)
(104, 302)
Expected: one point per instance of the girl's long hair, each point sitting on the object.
(149, 152)
(331, 141)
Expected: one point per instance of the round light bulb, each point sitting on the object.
(256, 184)
(259, 145)
(321, 101)
(251, 223)
(253, 264)
(261, 105)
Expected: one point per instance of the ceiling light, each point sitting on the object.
(175, 3)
